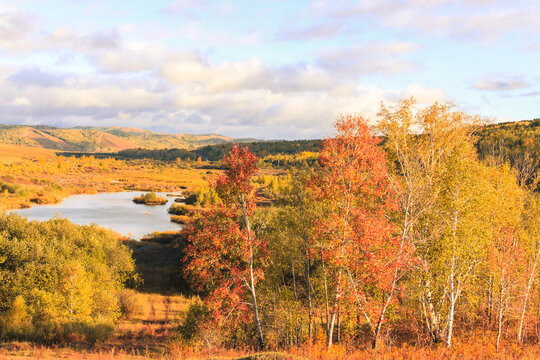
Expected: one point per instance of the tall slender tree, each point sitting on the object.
(224, 255)
(358, 244)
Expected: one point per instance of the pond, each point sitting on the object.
(115, 210)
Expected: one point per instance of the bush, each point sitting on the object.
(178, 209)
(58, 279)
(150, 199)
(132, 303)
(205, 196)
(192, 327)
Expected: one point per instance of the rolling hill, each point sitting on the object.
(109, 139)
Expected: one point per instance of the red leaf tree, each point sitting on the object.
(223, 254)
(357, 242)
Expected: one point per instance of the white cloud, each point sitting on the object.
(310, 32)
(15, 27)
(21, 101)
(368, 58)
(424, 95)
(477, 19)
(186, 7)
(500, 84)
(135, 81)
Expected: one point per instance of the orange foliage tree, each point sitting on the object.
(363, 256)
(223, 254)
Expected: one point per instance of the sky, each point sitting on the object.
(282, 69)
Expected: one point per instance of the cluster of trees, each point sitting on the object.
(415, 240)
(203, 196)
(260, 148)
(58, 279)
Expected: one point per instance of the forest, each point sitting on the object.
(415, 238)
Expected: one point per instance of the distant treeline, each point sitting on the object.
(210, 152)
(517, 143)
(513, 142)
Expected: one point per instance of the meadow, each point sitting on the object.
(33, 175)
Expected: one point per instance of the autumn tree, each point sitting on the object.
(224, 255)
(362, 255)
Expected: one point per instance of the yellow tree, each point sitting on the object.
(421, 143)
(531, 224)
(448, 203)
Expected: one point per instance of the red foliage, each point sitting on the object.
(220, 247)
(235, 185)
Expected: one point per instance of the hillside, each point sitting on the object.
(109, 139)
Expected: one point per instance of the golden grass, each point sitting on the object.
(151, 334)
(145, 336)
(13, 153)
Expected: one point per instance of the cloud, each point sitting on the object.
(21, 101)
(311, 32)
(500, 84)
(243, 98)
(228, 76)
(15, 26)
(34, 76)
(368, 58)
(424, 95)
(484, 20)
(119, 77)
(98, 41)
(530, 94)
(186, 8)
(533, 46)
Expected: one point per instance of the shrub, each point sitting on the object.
(205, 196)
(132, 303)
(197, 329)
(150, 199)
(178, 209)
(58, 279)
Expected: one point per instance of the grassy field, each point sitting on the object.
(13, 153)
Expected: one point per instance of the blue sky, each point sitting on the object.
(265, 69)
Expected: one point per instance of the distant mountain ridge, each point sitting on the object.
(106, 139)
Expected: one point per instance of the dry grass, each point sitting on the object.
(144, 336)
(13, 153)
(151, 335)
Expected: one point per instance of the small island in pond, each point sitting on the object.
(149, 199)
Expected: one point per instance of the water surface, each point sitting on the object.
(112, 210)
